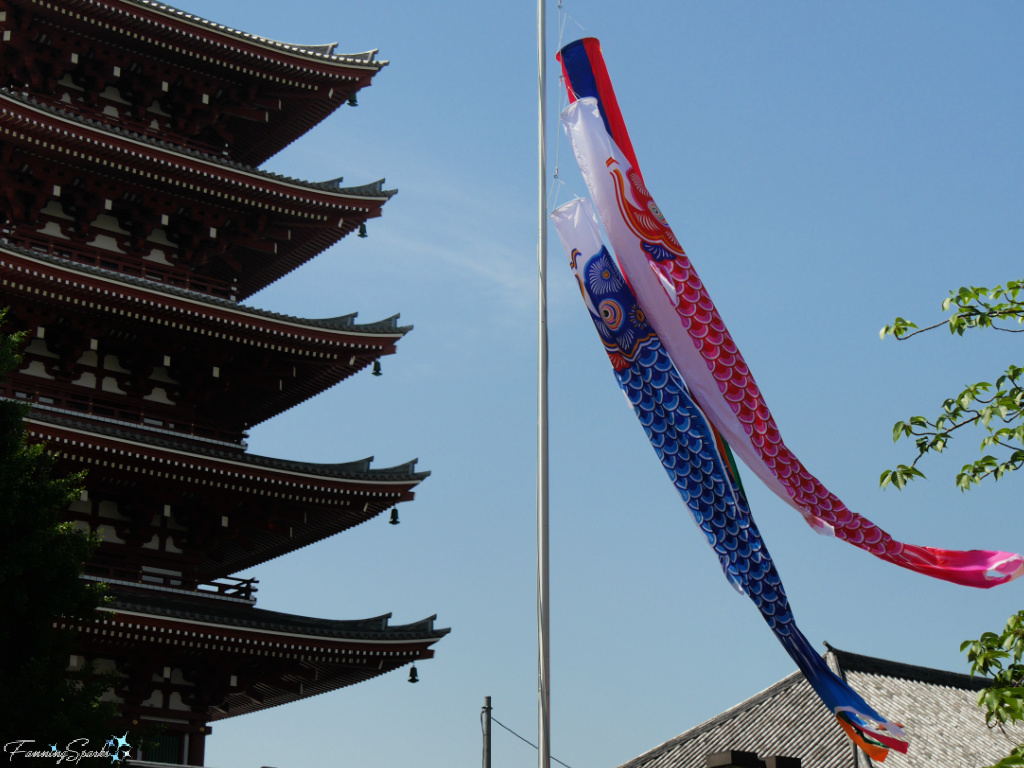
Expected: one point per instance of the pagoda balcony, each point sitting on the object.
(58, 247)
(103, 110)
(100, 112)
(122, 575)
(72, 402)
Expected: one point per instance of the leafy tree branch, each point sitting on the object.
(998, 411)
(998, 657)
(974, 308)
(996, 408)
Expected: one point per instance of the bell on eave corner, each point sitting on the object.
(376, 368)
(362, 230)
(394, 517)
(352, 100)
(413, 675)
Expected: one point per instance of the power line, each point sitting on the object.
(496, 720)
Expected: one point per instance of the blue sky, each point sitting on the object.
(826, 167)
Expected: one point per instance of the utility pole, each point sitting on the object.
(487, 731)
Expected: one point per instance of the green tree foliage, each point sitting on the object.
(999, 658)
(998, 411)
(997, 408)
(41, 560)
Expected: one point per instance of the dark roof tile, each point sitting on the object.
(322, 51)
(388, 326)
(351, 470)
(372, 190)
(233, 614)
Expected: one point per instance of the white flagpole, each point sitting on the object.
(543, 640)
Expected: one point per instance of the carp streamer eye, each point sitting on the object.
(611, 313)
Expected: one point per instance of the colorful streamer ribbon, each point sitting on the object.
(688, 449)
(697, 341)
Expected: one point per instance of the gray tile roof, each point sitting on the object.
(350, 470)
(374, 190)
(388, 326)
(937, 709)
(322, 51)
(230, 615)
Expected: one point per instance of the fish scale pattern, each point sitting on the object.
(701, 320)
(684, 442)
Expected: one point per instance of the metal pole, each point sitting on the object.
(487, 732)
(543, 640)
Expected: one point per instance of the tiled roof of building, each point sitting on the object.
(324, 50)
(937, 709)
(377, 628)
(374, 190)
(388, 326)
(350, 470)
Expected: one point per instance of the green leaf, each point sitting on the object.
(899, 476)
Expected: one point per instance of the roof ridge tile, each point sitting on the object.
(319, 51)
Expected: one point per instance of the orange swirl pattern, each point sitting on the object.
(646, 222)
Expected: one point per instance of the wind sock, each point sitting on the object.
(678, 307)
(686, 445)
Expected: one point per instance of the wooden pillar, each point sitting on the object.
(197, 746)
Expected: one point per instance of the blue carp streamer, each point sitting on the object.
(694, 458)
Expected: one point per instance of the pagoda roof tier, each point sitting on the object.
(222, 366)
(203, 454)
(222, 511)
(235, 659)
(71, 180)
(215, 85)
(43, 264)
(224, 613)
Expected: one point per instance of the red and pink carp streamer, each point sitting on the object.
(681, 311)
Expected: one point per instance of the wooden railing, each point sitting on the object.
(151, 415)
(229, 586)
(109, 260)
(124, 119)
(226, 586)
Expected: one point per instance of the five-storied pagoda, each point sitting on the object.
(133, 220)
